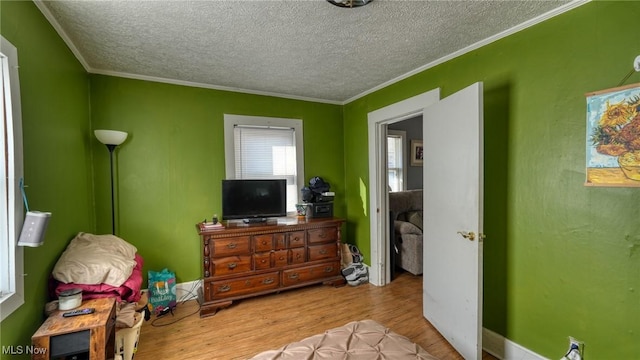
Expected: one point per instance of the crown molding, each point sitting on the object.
(52, 20)
(209, 86)
(546, 16)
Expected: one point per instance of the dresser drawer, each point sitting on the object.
(296, 239)
(296, 256)
(322, 235)
(231, 265)
(245, 285)
(320, 252)
(280, 240)
(231, 246)
(280, 258)
(262, 260)
(263, 243)
(266, 260)
(311, 273)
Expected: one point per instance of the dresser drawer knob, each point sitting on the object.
(224, 288)
(232, 245)
(268, 281)
(232, 265)
(294, 276)
(323, 251)
(323, 234)
(328, 269)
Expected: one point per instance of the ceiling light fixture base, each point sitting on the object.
(349, 3)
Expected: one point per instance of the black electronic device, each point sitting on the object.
(78, 312)
(320, 210)
(254, 200)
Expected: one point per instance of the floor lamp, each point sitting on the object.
(111, 138)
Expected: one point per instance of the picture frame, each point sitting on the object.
(613, 137)
(417, 153)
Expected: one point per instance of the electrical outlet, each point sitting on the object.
(575, 345)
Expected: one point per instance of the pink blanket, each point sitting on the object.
(129, 291)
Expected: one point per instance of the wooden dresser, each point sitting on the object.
(245, 260)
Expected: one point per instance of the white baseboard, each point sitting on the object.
(503, 348)
(187, 290)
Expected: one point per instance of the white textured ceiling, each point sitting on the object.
(306, 49)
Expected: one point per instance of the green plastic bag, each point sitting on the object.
(162, 290)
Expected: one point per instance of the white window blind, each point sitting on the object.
(265, 152)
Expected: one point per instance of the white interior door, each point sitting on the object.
(452, 280)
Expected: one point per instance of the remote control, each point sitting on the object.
(86, 311)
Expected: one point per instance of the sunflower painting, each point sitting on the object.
(613, 137)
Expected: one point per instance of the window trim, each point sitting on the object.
(14, 253)
(231, 120)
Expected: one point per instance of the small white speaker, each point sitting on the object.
(35, 225)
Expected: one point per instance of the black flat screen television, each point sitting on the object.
(253, 200)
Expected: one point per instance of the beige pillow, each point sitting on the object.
(96, 259)
(403, 227)
(415, 217)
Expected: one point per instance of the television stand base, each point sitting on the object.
(254, 220)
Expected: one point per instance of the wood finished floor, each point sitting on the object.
(253, 325)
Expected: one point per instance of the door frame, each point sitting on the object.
(379, 272)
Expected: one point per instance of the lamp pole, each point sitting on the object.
(112, 139)
(111, 148)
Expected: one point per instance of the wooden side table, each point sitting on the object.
(92, 335)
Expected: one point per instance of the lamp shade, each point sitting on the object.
(111, 137)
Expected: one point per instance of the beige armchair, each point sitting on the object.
(406, 211)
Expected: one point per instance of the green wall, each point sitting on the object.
(560, 259)
(57, 161)
(168, 171)
(171, 166)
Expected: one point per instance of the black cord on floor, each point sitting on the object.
(153, 322)
(190, 295)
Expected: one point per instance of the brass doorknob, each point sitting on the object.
(468, 235)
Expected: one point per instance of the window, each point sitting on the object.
(11, 208)
(265, 148)
(396, 159)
